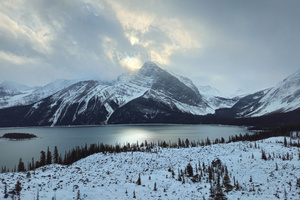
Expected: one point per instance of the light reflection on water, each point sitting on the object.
(134, 135)
(65, 138)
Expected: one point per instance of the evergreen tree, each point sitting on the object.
(298, 183)
(42, 159)
(21, 167)
(28, 175)
(219, 191)
(155, 189)
(139, 182)
(226, 182)
(5, 191)
(134, 194)
(32, 163)
(263, 155)
(78, 195)
(18, 188)
(179, 176)
(179, 142)
(187, 143)
(49, 157)
(285, 142)
(189, 170)
(55, 155)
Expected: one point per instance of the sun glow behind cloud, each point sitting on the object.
(132, 63)
(160, 37)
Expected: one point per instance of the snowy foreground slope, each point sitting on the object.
(114, 176)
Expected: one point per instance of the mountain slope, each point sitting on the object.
(92, 102)
(284, 97)
(14, 94)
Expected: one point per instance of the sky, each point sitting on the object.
(229, 45)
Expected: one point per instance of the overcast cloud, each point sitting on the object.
(226, 44)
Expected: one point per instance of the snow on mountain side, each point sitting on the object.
(215, 99)
(115, 175)
(24, 95)
(284, 97)
(210, 91)
(92, 102)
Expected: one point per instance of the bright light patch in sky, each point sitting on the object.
(132, 63)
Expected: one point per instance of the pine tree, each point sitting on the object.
(42, 159)
(189, 170)
(187, 143)
(212, 191)
(21, 167)
(263, 155)
(139, 182)
(227, 182)
(179, 176)
(285, 142)
(55, 155)
(49, 157)
(78, 195)
(5, 191)
(134, 194)
(219, 191)
(18, 188)
(173, 174)
(179, 142)
(155, 189)
(298, 183)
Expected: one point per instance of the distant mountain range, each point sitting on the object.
(149, 95)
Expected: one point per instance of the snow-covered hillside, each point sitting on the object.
(114, 176)
(284, 97)
(14, 94)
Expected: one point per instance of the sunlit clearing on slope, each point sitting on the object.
(131, 63)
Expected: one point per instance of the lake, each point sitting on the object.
(65, 138)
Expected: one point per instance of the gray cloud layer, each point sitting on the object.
(225, 44)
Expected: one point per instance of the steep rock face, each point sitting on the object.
(92, 102)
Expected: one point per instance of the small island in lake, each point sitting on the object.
(18, 136)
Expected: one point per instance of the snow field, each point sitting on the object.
(114, 176)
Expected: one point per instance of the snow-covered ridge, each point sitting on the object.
(17, 94)
(114, 176)
(284, 97)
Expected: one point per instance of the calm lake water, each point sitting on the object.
(65, 138)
